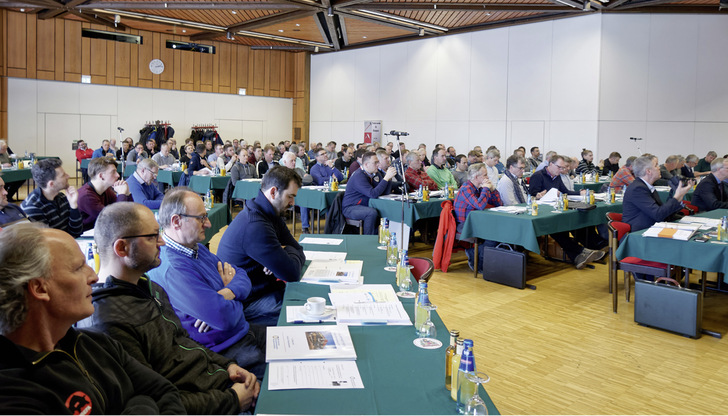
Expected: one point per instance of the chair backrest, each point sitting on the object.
(614, 216)
(621, 228)
(422, 268)
(693, 209)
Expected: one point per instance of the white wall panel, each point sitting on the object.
(453, 78)
(489, 75)
(97, 99)
(22, 124)
(169, 105)
(421, 99)
(228, 106)
(419, 132)
(393, 84)
(614, 137)
(575, 69)
(523, 133)
(366, 88)
(529, 71)
(58, 97)
(136, 107)
(61, 131)
(485, 134)
(319, 131)
(710, 136)
(321, 96)
(231, 129)
(448, 132)
(344, 81)
(254, 130)
(201, 109)
(673, 66)
(711, 92)
(346, 131)
(668, 138)
(254, 108)
(94, 129)
(624, 67)
(279, 121)
(570, 137)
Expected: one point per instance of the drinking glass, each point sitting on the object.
(476, 405)
(427, 329)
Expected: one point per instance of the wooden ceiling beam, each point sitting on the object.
(100, 20)
(615, 4)
(45, 4)
(462, 7)
(271, 20)
(575, 4)
(197, 5)
(645, 3)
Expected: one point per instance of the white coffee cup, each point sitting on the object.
(315, 306)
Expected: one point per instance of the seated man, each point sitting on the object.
(9, 213)
(461, 169)
(535, 159)
(136, 312)
(712, 192)
(172, 146)
(687, 171)
(103, 151)
(83, 152)
(478, 193)
(151, 147)
(212, 159)
(123, 151)
(439, 171)
(164, 158)
(103, 189)
(624, 175)
(47, 204)
(5, 162)
(206, 294)
(384, 163)
(703, 166)
(666, 170)
(550, 177)
(642, 206)
(367, 182)
(289, 160)
(611, 164)
(513, 192)
(344, 162)
(258, 241)
(415, 176)
(136, 154)
(228, 158)
(267, 161)
(323, 170)
(49, 367)
(143, 184)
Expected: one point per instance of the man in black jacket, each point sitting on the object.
(45, 365)
(712, 192)
(136, 312)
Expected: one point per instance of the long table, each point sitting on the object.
(169, 177)
(15, 175)
(524, 229)
(398, 377)
(413, 211)
(707, 257)
(592, 186)
(246, 189)
(202, 184)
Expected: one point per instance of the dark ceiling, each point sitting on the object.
(328, 25)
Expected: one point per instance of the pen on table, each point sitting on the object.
(375, 322)
(308, 322)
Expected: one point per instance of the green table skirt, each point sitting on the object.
(596, 187)
(315, 198)
(218, 218)
(15, 175)
(398, 377)
(708, 257)
(413, 211)
(169, 177)
(201, 184)
(524, 229)
(246, 189)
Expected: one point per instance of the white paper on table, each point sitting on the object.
(288, 375)
(316, 187)
(389, 313)
(359, 281)
(298, 313)
(324, 255)
(396, 227)
(322, 241)
(252, 180)
(309, 342)
(549, 197)
(512, 209)
(662, 188)
(377, 292)
(347, 271)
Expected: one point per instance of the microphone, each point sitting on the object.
(635, 138)
(120, 129)
(398, 133)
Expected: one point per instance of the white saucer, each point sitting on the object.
(328, 311)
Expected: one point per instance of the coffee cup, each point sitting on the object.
(315, 306)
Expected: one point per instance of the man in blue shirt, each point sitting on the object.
(207, 294)
(258, 241)
(104, 150)
(364, 184)
(143, 184)
(323, 169)
(8, 212)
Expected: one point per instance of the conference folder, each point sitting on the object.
(315, 342)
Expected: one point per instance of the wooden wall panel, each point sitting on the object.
(53, 49)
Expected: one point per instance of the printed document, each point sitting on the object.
(309, 342)
(288, 375)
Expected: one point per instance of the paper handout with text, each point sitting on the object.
(287, 375)
(315, 342)
(347, 271)
(367, 305)
(675, 231)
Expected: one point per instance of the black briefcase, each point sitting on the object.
(503, 264)
(669, 307)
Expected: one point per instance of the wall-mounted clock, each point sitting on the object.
(156, 66)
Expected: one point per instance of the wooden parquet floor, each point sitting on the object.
(561, 350)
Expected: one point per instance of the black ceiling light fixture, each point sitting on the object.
(115, 36)
(188, 46)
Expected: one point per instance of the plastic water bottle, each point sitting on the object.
(392, 251)
(422, 299)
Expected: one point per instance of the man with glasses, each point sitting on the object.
(207, 295)
(550, 177)
(324, 168)
(136, 312)
(143, 184)
(47, 204)
(712, 192)
(258, 241)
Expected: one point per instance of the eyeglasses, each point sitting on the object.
(561, 167)
(202, 218)
(154, 174)
(155, 235)
(520, 167)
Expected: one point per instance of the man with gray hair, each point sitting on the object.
(207, 295)
(47, 366)
(712, 192)
(642, 206)
(47, 204)
(666, 170)
(136, 312)
(143, 184)
(164, 159)
(703, 166)
(104, 150)
(687, 171)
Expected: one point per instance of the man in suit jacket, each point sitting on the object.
(711, 193)
(642, 205)
(688, 170)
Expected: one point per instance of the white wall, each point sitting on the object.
(47, 116)
(587, 82)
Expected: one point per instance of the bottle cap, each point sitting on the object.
(468, 343)
(454, 333)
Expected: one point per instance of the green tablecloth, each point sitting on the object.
(315, 198)
(596, 187)
(218, 218)
(201, 184)
(169, 177)
(708, 257)
(15, 175)
(129, 170)
(246, 189)
(398, 377)
(664, 195)
(413, 211)
(524, 229)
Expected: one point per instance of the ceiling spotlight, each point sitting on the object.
(316, 49)
(230, 36)
(233, 12)
(184, 31)
(422, 32)
(280, 30)
(22, 10)
(165, 5)
(298, 24)
(330, 10)
(363, 37)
